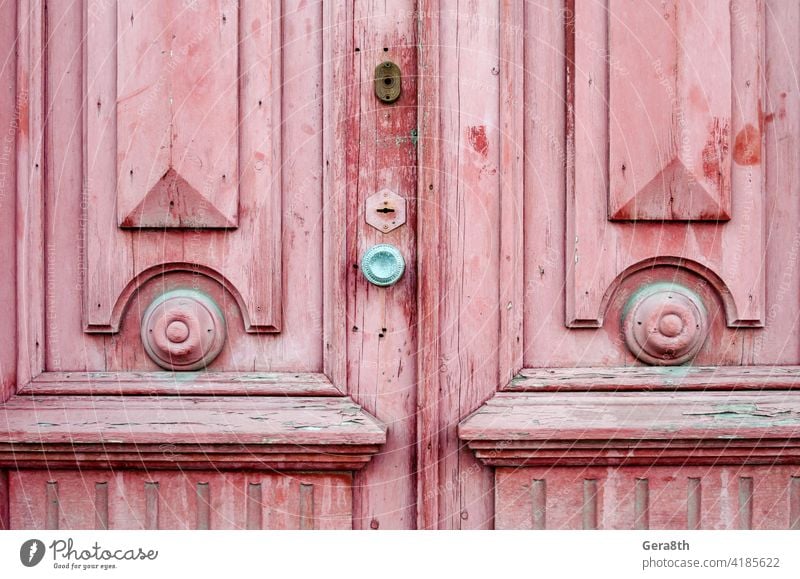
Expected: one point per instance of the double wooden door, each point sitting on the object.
(413, 264)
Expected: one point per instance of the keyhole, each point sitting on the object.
(388, 81)
(385, 210)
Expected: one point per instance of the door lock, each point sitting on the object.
(387, 82)
(385, 210)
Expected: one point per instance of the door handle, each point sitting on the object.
(383, 265)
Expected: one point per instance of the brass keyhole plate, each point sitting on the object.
(388, 82)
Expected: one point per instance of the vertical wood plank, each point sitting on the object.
(381, 348)
(641, 518)
(694, 507)
(151, 505)
(338, 45)
(539, 504)
(5, 521)
(306, 499)
(779, 341)
(254, 506)
(512, 99)
(428, 268)
(203, 506)
(745, 502)
(29, 177)
(101, 505)
(590, 504)
(794, 503)
(9, 125)
(469, 249)
(52, 510)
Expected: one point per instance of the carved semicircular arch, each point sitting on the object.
(732, 317)
(139, 281)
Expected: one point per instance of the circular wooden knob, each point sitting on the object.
(183, 330)
(665, 324)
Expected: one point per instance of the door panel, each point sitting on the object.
(595, 203)
(657, 255)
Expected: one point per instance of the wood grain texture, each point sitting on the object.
(670, 110)
(336, 42)
(382, 334)
(142, 103)
(293, 433)
(177, 114)
(429, 190)
(610, 498)
(601, 254)
(176, 500)
(512, 72)
(181, 383)
(4, 501)
(547, 343)
(300, 346)
(655, 378)
(10, 109)
(469, 316)
(30, 191)
(636, 428)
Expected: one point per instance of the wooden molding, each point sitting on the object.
(199, 383)
(618, 429)
(655, 378)
(188, 433)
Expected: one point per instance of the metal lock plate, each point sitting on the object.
(387, 82)
(386, 210)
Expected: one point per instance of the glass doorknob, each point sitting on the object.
(383, 265)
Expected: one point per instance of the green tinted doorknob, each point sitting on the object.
(383, 265)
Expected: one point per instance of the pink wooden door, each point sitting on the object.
(197, 345)
(596, 207)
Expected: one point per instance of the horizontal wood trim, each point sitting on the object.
(184, 383)
(187, 432)
(655, 378)
(642, 428)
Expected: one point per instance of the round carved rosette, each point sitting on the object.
(183, 330)
(665, 324)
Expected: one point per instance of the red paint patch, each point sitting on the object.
(747, 148)
(477, 138)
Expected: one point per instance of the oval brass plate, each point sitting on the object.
(387, 82)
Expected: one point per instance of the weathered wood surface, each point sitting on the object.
(631, 419)
(429, 190)
(547, 342)
(170, 432)
(381, 153)
(123, 499)
(695, 159)
(671, 109)
(682, 497)
(471, 181)
(656, 378)
(182, 383)
(299, 346)
(10, 117)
